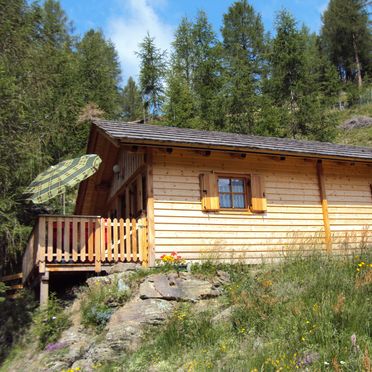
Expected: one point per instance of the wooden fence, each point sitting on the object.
(81, 240)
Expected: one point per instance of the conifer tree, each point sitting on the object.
(347, 38)
(152, 74)
(99, 72)
(295, 81)
(243, 44)
(132, 108)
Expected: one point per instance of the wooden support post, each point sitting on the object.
(44, 288)
(150, 209)
(324, 201)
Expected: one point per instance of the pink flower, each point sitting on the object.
(174, 253)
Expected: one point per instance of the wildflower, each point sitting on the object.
(307, 322)
(342, 362)
(326, 363)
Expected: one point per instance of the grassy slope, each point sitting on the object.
(284, 316)
(358, 137)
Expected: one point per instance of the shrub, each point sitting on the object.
(50, 321)
(16, 316)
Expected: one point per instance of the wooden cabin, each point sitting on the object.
(207, 195)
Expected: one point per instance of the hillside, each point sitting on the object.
(308, 313)
(357, 136)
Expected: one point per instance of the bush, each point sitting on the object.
(16, 316)
(50, 321)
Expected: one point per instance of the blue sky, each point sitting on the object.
(126, 22)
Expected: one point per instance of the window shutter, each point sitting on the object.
(259, 203)
(209, 192)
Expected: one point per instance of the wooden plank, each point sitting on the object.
(127, 203)
(59, 239)
(140, 238)
(128, 240)
(41, 240)
(139, 193)
(150, 208)
(134, 240)
(50, 239)
(109, 240)
(103, 239)
(75, 240)
(15, 286)
(90, 240)
(115, 237)
(82, 240)
(121, 234)
(8, 278)
(66, 239)
(97, 240)
(323, 199)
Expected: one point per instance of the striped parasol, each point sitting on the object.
(57, 178)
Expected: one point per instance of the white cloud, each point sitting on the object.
(127, 30)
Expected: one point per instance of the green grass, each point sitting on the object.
(357, 137)
(283, 316)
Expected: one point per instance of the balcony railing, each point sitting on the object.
(80, 242)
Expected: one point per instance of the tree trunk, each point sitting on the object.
(357, 62)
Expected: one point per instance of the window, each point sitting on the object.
(232, 192)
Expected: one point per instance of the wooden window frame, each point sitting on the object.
(246, 193)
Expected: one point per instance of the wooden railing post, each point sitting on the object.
(142, 241)
(40, 242)
(97, 246)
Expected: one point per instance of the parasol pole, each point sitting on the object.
(63, 203)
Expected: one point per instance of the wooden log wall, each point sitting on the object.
(294, 221)
(349, 204)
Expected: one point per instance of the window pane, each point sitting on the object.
(237, 185)
(224, 185)
(238, 200)
(225, 201)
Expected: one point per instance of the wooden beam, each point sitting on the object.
(44, 289)
(324, 201)
(150, 208)
(8, 278)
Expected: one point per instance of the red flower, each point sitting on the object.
(179, 257)
(161, 257)
(174, 253)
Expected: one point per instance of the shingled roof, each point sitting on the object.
(145, 134)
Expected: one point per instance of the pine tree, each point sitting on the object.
(99, 72)
(295, 83)
(152, 74)
(243, 43)
(132, 108)
(183, 50)
(206, 73)
(347, 38)
(180, 107)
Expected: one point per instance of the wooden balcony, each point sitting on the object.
(83, 243)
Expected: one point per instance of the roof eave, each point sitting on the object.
(185, 145)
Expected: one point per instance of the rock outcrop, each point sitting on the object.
(151, 305)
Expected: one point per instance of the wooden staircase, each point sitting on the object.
(13, 283)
